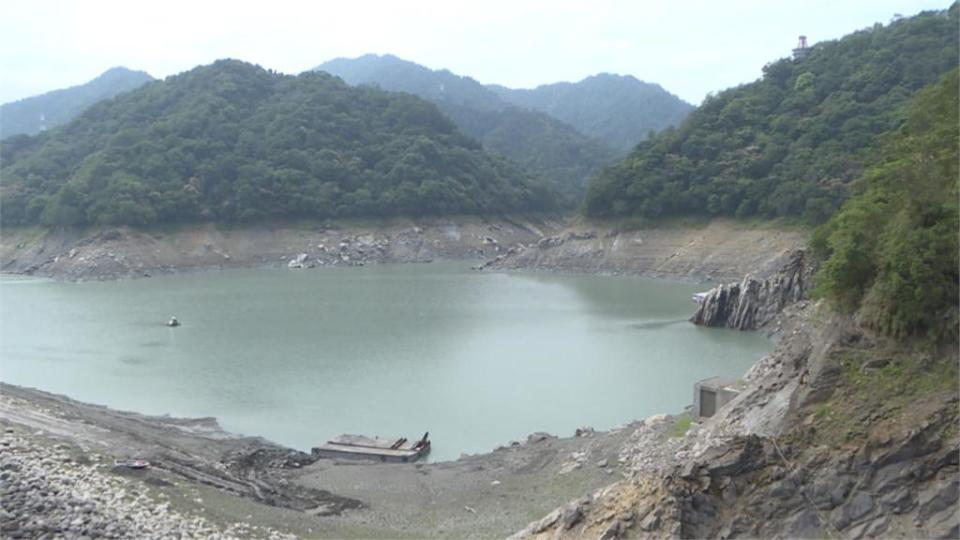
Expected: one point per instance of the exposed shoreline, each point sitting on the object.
(751, 470)
(248, 480)
(490, 494)
(721, 250)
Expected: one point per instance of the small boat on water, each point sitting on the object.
(398, 450)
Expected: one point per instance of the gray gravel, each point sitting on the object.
(47, 493)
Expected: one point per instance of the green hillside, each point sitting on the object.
(618, 110)
(563, 156)
(35, 114)
(789, 144)
(233, 141)
(891, 251)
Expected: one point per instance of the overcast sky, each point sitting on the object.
(690, 47)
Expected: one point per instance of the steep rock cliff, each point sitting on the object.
(754, 302)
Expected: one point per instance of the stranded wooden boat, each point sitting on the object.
(359, 447)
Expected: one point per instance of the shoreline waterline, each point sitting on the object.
(419, 347)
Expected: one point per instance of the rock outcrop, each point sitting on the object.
(823, 443)
(754, 302)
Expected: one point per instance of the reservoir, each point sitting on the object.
(299, 356)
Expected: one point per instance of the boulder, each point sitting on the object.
(573, 513)
(298, 262)
(550, 242)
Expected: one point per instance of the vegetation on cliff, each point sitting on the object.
(789, 144)
(891, 252)
(35, 114)
(233, 141)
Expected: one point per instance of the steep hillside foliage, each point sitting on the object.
(34, 114)
(564, 157)
(557, 152)
(891, 251)
(617, 110)
(232, 141)
(788, 144)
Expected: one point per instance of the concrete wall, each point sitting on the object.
(723, 391)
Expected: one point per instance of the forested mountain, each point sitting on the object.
(233, 141)
(393, 73)
(790, 143)
(891, 251)
(618, 110)
(544, 145)
(35, 114)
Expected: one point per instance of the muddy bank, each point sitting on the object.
(231, 481)
(721, 250)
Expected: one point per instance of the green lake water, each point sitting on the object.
(298, 356)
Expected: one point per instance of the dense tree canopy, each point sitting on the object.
(544, 145)
(34, 114)
(232, 141)
(618, 110)
(891, 251)
(789, 144)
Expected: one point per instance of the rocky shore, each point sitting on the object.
(49, 490)
(718, 251)
(104, 253)
(837, 433)
(57, 456)
(721, 250)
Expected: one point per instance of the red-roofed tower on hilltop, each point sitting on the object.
(802, 49)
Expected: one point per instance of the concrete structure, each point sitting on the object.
(709, 395)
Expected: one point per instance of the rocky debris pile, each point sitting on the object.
(349, 250)
(606, 514)
(754, 302)
(550, 242)
(47, 494)
(651, 447)
(545, 243)
(492, 263)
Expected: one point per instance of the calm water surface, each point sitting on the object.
(478, 359)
